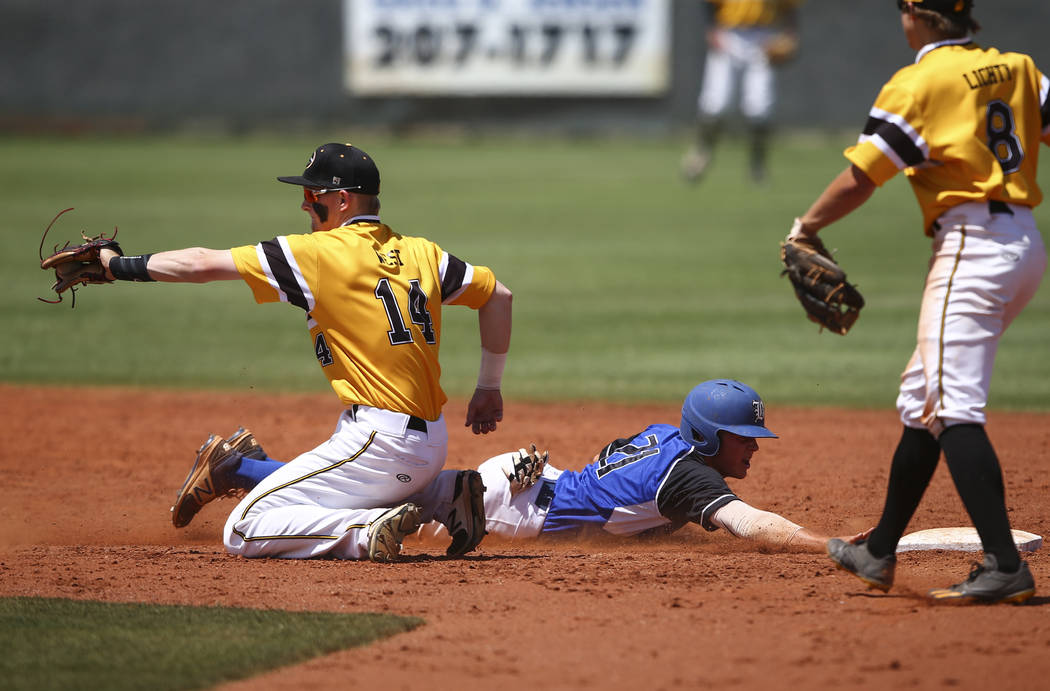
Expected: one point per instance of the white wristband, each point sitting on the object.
(490, 376)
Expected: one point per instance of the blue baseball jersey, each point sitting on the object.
(653, 480)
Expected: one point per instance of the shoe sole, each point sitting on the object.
(871, 583)
(476, 496)
(190, 490)
(948, 596)
(874, 585)
(379, 550)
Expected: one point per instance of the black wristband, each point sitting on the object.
(130, 268)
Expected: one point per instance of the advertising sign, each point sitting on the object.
(507, 47)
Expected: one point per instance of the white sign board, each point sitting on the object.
(507, 47)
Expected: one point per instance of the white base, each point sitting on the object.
(961, 539)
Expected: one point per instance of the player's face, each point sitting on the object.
(912, 26)
(319, 206)
(734, 455)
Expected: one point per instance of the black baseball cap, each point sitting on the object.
(941, 6)
(338, 167)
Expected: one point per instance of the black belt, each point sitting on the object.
(994, 207)
(997, 207)
(414, 423)
(546, 495)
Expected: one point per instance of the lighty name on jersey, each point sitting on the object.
(391, 258)
(986, 76)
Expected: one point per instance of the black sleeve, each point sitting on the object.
(1044, 111)
(692, 492)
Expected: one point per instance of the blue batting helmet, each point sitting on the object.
(722, 404)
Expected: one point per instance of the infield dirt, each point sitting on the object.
(89, 476)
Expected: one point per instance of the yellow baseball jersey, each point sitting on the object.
(744, 13)
(964, 123)
(373, 303)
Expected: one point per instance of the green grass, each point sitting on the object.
(69, 644)
(629, 285)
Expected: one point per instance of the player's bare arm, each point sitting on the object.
(771, 529)
(842, 196)
(190, 265)
(485, 410)
(745, 521)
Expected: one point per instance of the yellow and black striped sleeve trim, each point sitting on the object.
(274, 269)
(463, 283)
(1044, 104)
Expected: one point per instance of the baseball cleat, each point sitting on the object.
(694, 164)
(207, 479)
(243, 442)
(466, 519)
(986, 583)
(877, 572)
(198, 488)
(386, 532)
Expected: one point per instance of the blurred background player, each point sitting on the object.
(373, 304)
(740, 39)
(964, 123)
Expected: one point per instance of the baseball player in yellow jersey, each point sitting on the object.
(964, 123)
(373, 302)
(739, 36)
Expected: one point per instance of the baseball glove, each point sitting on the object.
(820, 284)
(781, 48)
(77, 265)
(525, 469)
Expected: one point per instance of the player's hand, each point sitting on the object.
(859, 537)
(716, 39)
(485, 410)
(104, 256)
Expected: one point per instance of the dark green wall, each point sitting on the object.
(244, 64)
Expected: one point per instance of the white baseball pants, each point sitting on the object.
(510, 516)
(984, 270)
(742, 61)
(322, 502)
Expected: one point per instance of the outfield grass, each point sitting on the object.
(67, 644)
(629, 285)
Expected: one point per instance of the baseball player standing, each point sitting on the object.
(737, 59)
(964, 123)
(372, 300)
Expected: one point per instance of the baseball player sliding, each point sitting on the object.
(652, 482)
(964, 123)
(655, 481)
(372, 300)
